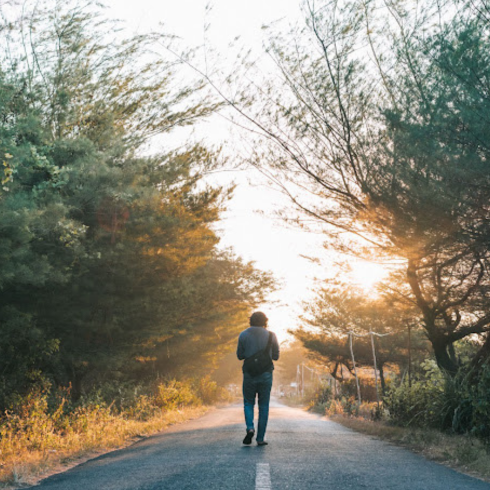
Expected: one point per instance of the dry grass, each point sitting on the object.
(44, 433)
(24, 461)
(463, 453)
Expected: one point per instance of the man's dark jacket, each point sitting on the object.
(253, 340)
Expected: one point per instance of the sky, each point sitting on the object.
(249, 225)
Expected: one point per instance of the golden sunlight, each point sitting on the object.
(367, 274)
(280, 321)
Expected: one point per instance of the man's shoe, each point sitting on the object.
(249, 437)
(262, 443)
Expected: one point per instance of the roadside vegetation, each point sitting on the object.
(45, 431)
(429, 415)
(377, 129)
(114, 292)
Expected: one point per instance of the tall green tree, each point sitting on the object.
(378, 131)
(109, 255)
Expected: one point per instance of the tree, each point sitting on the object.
(109, 253)
(338, 311)
(390, 149)
(25, 348)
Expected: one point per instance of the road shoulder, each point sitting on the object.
(465, 454)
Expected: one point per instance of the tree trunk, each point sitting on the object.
(452, 353)
(382, 378)
(443, 358)
(76, 385)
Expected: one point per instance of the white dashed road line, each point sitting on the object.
(263, 477)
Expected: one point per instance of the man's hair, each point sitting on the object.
(258, 319)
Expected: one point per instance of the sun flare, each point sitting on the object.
(281, 319)
(367, 274)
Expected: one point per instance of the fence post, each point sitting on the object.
(375, 368)
(355, 370)
(409, 355)
(302, 380)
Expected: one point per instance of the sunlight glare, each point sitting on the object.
(281, 319)
(367, 274)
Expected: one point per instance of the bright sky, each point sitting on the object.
(256, 237)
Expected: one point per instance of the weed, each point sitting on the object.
(41, 430)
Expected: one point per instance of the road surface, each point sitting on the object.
(305, 452)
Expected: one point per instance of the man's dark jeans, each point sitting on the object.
(257, 385)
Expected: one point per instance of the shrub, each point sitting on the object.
(479, 401)
(369, 410)
(144, 408)
(175, 394)
(209, 391)
(442, 402)
(419, 403)
(45, 426)
(335, 407)
(324, 394)
(342, 406)
(348, 388)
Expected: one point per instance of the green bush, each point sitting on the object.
(439, 401)
(479, 400)
(421, 402)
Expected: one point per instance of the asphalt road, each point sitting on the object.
(305, 452)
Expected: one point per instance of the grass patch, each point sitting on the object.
(100, 432)
(463, 453)
(44, 432)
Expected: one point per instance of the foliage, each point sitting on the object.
(323, 394)
(439, 401)
(419, 403)
(339, 309)
(342, 400)
(349, 406)
(209, 391)
(175, 394)
(109, 260)
(45, 427)
(387, 154)
(367, 386)
(478, 398)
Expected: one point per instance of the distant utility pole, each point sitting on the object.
(355, 370)
(375, 369)
(297, 380)
(409, 355)
(302, 380)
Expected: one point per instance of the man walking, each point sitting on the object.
(257, 346)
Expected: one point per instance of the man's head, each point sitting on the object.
(258, 319)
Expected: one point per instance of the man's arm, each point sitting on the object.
(240, 350)
(275, 347)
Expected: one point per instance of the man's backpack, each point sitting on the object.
(260, 362)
